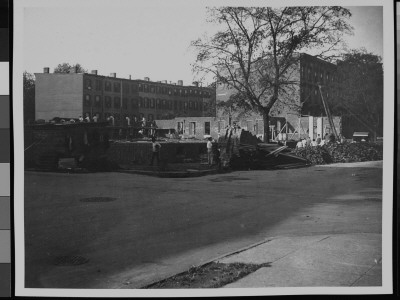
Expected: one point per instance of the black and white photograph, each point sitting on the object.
(203, 148)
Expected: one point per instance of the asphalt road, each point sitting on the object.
(157, 227)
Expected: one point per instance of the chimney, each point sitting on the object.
(113, 75)
(130, 77)
(147, 78)
(46, 70)
(196, 83)
(180, 82)
(94, 72)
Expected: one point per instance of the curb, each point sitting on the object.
(213, 259)
(170, 174)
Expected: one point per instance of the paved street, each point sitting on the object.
(157, 227)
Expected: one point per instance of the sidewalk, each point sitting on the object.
(321, 260)
(343, 259)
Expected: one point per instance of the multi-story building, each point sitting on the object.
(70, 95)
(309, 74)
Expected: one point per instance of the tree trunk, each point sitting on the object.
(265, 116)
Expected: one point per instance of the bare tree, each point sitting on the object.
(256, 51)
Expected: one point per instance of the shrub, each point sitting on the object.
(315, 155)
(336, 153)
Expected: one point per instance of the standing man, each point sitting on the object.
(318, 140)
(209, 151)
(156, 151)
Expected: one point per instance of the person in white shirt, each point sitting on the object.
(304, 142)
(209, 151)
(156, 151)
(299, 144)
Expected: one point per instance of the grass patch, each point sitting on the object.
(212, 275)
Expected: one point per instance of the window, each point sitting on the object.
(88, 84)
(221, 126)
(108, 86)
(147, 102)
(185, 105)
(200, 105)
(192, 128)
(97, 101)
(87, 100)
(170, 104)
(98, 85)
(125, 103)
(107, 101)
(140, 87)
(249, 125)
(134, 87)
(145, 88)
(152, 103)
(190, 104)
(125, 88)
(117, 87)
(117, 102)
(141, 102)
(164, 104)
(152, 89)
(207, 128)
(175, 105)
(180, 105)
(134, 103)
(195, 105)
(180, 127)
(169, 92)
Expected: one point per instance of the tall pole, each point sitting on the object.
(328, 113)
(120, 107)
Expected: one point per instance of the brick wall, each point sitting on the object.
(54, 140)
(140, 152)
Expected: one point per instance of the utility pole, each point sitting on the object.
(328, 113)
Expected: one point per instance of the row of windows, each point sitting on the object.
(317, 76)
(143, 103)
(146, 88)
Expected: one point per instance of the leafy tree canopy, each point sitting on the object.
(361, 84)
(66, 68)
(255, 51)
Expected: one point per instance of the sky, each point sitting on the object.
(141, 40)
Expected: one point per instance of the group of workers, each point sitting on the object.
(328, 138)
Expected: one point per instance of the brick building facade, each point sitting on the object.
(309, 72)
(70, 95)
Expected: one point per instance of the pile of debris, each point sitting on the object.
(240, 150)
